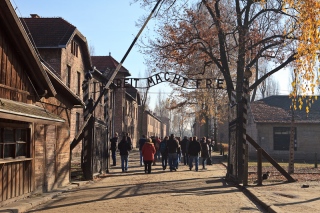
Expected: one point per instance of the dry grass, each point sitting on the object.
(302, 171)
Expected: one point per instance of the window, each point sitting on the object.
(281, 138)
(68, 77)
(14, 143)
(94, 91)
(74, 48)
(77, 122)
(78, 83)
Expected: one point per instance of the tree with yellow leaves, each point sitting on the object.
(231, 36)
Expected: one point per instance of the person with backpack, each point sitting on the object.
(114, 144)
(129, 141)
(141, 143)
(194, 150)
(204, 152)
(148, 151)
(164, 152)
(124, 147)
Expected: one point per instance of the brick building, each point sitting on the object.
(269, 124)
(151, 124)
(65, 50)
(131, 115)
(125, 100)
(165, 126)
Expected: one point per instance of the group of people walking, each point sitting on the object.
(124, 147)
(171, 150)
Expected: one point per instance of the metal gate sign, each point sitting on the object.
(182, 81)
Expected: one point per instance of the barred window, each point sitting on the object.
(281, 138)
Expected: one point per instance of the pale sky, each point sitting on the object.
(108, 25)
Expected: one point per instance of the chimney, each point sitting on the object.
(34, 16)
(109, 53)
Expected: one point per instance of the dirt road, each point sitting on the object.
(160, 191)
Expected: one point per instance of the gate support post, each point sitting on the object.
(259, 169)
(245, 177)
(242, 123)
(87, 147)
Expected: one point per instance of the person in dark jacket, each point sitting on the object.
(164, 152)
(124, 147)
(194, 151)
(204, 152)
(141, 143)
(173, 146)
(114, 144)
(184, 150)
(148, 151)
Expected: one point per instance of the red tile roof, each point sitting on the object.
(105, 64)
(49, 32)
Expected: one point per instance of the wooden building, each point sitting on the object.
(34, 117)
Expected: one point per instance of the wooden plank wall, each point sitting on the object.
(15, 179)
(14, 83)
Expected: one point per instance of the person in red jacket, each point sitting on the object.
(148, 151)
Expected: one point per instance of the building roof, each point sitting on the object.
(107, 64)
(152, 115)
(55, 33)
(23, 47)
(49, 32)
(276, 109)
(27, 112)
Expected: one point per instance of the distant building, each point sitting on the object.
(124, 101)
(165, 126)
(269, 124)
(151, 124)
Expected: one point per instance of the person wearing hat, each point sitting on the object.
(148, 151)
